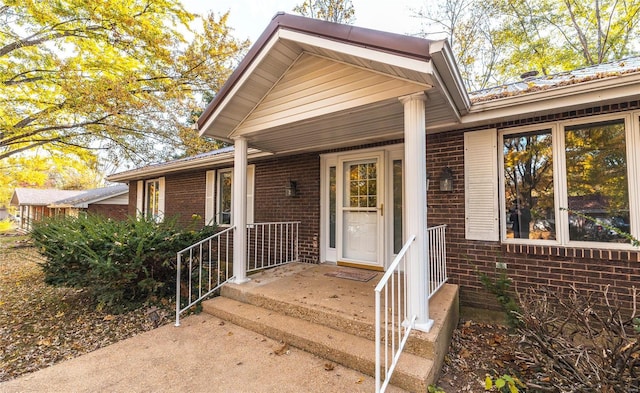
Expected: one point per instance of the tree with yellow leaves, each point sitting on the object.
(338, 11)
(111, 76)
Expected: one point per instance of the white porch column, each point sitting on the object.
(415, 211)
(240, 211)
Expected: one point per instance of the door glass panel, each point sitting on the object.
(332, 207)
(397, 206)
(362, 185)
(360, 235)
(360, 217)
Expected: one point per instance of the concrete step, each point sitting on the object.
(359, 321)
(413, 373)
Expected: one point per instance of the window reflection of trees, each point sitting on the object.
(596, 180)
(363, 185)
(597, 184)
(528, 179)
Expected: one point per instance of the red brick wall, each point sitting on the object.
(527, 266)
(271, 204)
(133, 192)
(116, 212)
(184, 196)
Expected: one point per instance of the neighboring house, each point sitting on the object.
(36, 204)
(368, 137)
(108, 202)
(33, 204)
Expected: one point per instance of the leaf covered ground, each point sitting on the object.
(41, 325)
(479, 349)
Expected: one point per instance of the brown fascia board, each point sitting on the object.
(403, 45)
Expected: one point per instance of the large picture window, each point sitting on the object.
(597, 183)
(569, 182)
(528, 185)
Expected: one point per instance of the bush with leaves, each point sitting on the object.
(580, 341)
(120, 263)
(499, 285)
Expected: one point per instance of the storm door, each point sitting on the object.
(360, 210)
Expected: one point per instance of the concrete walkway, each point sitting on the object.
(205, 354)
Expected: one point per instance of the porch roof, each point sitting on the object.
(327, 114)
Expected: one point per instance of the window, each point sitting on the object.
(528, 185)
(150, 198)
(569, 182)
(597, 183)
(224, 192)
(219, 196)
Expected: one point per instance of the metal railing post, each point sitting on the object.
(179, 261)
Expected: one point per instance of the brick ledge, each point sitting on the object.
(572, 252)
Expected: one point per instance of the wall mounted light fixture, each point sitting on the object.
(291, 189)
(446, 179)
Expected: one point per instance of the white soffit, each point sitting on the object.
(317, 87)
(281, 52)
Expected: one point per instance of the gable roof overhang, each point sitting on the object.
(395, 65)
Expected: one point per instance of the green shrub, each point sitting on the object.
(120, 263)
(499, 286)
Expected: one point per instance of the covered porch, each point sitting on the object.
(314, 86)
(346, 94)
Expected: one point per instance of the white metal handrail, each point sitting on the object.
(208, 264)
(392, 324)
(437, 258)
(271, 244)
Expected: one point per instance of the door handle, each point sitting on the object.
(381, 208)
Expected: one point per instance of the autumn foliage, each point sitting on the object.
(120, 77)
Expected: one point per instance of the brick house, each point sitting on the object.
(36, 204)
(366, 138)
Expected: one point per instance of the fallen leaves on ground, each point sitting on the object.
(478, 350)
(41, 325)
(283, 349)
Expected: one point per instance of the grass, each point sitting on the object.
(41, 325)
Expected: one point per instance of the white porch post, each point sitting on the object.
(240, 211)
(415, 187)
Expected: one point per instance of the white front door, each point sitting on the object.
(360, 203)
